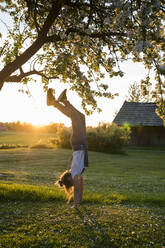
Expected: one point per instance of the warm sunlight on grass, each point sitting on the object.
(123, 204)
(25, 138)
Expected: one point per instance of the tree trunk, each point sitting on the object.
(19, 61)
(42, 37)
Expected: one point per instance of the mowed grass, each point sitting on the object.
(124, 200)
(24, 138)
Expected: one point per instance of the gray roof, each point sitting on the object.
(138, 113)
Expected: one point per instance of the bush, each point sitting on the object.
(12, 146)
(105, 138)
(41, 146)
(63, 138)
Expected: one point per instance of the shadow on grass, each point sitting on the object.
(97, 235)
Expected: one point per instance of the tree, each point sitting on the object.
(135, 93)
(79, 41)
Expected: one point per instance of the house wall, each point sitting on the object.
(142, 135)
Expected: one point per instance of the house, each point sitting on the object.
(146, 126)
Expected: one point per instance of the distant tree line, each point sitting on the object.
(27, 127)
(105, 137)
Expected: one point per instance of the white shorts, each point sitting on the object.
(77, 166)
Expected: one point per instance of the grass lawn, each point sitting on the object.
(124, 200)
(24, 138)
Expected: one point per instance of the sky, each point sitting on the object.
(16, 106)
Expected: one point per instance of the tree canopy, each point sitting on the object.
(135, 93)
(79, 41)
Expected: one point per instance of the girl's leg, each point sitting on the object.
(76, 191)
(81, 186)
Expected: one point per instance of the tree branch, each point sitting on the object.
(35, 18)
(95, 34)
(90, 13)
(76, 4)
(53, 38)
(18, 78)
(2, 49)
(42, 37)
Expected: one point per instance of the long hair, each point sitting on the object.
(66, 181)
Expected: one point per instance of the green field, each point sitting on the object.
(124, 200)
(24, 138)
